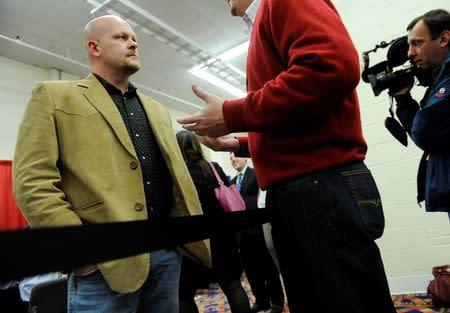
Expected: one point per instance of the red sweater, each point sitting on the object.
(301, 111)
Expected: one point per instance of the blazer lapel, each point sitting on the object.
(96, 94)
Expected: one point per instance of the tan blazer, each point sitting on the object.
(75, 163)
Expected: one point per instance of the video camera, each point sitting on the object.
(382, 76)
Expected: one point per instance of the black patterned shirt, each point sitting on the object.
(157, 179)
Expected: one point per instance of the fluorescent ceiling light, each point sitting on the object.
(201, 73)
(234, 52)
(201, 70)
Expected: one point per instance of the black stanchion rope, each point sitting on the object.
(43, 250)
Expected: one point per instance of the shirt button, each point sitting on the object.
(133, 165)
(137, 135)
(147, 182)
(143, 158)
(151, 208)
(131, 114)
(138, 206)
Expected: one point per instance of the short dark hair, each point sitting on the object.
(436, 21)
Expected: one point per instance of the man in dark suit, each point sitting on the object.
(261, 271)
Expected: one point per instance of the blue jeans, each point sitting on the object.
(159, 293)
(324, 225)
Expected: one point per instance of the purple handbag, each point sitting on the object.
(229, 197)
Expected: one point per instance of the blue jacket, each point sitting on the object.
(429, 127)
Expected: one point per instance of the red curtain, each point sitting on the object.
(10, 216)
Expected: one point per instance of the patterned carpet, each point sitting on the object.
(416, 303)
(212, 300)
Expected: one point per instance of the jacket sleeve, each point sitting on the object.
(36, 176)
(251, 191)
(431, 125)
(407, 109)
(321, 69)
(243, 147)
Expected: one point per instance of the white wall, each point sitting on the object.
(16, 81)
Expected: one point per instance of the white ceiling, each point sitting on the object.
(56, 26)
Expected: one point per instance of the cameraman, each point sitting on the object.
(429, 124)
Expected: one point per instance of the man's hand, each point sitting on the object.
(209, 121)
(224, 143)
(402, 91)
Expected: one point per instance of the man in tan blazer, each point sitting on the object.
(98, 151)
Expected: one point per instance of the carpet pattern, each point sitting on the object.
(212, 300)
(417, 303)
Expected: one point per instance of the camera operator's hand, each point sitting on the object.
(401, 87)
(402, 91)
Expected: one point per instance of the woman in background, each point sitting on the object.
(224, 250)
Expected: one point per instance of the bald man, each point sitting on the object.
(97, 150)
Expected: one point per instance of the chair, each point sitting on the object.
(49, 297)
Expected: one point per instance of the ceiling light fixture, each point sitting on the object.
(234, 52)
(211, 74)
(202, 73)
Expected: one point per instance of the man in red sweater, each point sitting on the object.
(305, 139)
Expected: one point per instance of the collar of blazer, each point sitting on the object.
(96, 94)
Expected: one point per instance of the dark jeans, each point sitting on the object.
(91, 293)
(324, 226)
(261, 271)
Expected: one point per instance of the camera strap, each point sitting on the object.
(394, 126)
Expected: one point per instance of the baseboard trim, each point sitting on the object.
(409, 284)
